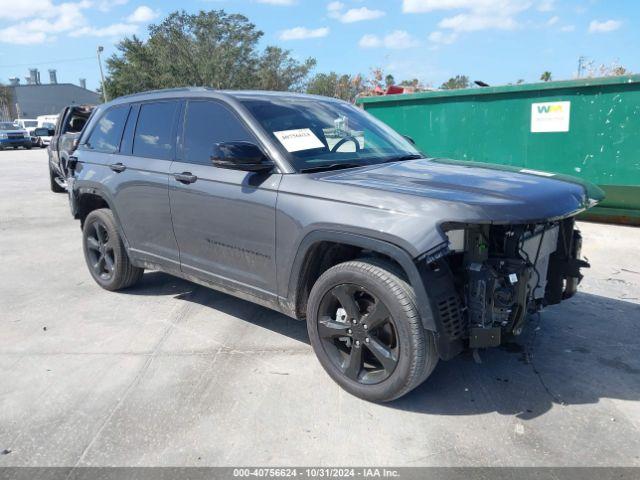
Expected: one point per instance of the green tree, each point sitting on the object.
(415, 83)
(334, 85)
(278, 71)
(389, 80)
(459, 81)
(546, 76)
(211, 48)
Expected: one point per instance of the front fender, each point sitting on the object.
(360, 241)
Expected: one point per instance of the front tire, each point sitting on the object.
(105, 254)
(366, 330)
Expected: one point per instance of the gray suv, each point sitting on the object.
(310, 206)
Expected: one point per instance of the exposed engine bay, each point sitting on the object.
(502, 273)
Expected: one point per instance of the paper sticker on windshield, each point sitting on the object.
(300, 139)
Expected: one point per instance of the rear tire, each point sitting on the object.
(387, 340)
(55, 187)
(104, 252)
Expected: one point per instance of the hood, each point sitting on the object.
(501, 193)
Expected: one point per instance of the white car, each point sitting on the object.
(41, 136)
(47, 120)
(28, 124)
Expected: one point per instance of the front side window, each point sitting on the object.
(317, 133)
(153, 137)
(107, 132)
(207, 123)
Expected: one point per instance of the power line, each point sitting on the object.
(51, 62)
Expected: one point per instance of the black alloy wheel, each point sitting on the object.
(105, 253)
(100, 251)
(366, 331)
(358, 334)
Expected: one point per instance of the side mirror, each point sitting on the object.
(244, 156)
(41, 132)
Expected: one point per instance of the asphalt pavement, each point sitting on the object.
(173, 374)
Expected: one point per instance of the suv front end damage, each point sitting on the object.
(498, 275)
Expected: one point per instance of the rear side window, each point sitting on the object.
(153, 137)
(107, 133)
(207, 123)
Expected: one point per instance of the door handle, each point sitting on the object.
(118, 167)
(185, 177)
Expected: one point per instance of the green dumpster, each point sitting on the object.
(586, 128)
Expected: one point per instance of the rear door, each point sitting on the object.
(139, 182)
(224, 220)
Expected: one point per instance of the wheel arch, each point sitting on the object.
(87, 199)
(321, 249)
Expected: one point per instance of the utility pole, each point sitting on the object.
(104, 91)
(580, 65)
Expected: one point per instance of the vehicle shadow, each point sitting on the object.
(579, 352)
(161, 284)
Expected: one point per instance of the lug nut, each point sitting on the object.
(349, 331)
(357, 343)
(365, 326)
(354, 321)
(367, 340)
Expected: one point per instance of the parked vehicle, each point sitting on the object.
(47, 120)
(27, 124)
(42, 136)
(394, 260)
(62, 144)
(13, 137)
(30, 126)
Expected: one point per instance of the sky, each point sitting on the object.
(496, 41)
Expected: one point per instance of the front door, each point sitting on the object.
(224, 220)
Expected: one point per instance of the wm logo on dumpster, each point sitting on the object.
(549, 108)
(550, 117)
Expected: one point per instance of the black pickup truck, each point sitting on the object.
(70, 124)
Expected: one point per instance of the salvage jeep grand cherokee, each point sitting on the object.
(310, 206)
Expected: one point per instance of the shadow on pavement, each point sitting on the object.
(584, 350)
(159, 283)
(579, 352)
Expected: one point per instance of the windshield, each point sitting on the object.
(7, 126)
(317, 133)
(30, 123)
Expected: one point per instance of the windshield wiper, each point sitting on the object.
(330, 166)
(412, 156)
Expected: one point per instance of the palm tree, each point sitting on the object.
(546, 76)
